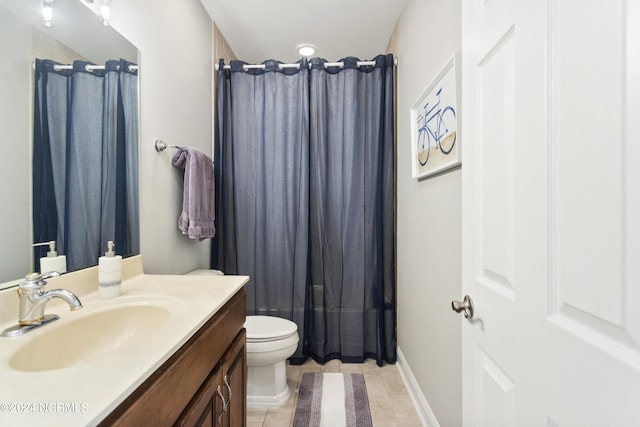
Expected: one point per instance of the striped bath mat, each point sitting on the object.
(332, 399)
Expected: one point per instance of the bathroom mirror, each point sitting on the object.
(75, 33)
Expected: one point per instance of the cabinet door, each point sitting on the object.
(235, 381)
(206, 407)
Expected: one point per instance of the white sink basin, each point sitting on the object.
(88, 337)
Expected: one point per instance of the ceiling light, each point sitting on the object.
(307, 49)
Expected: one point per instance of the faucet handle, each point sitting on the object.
(37, 280)
(36, 277)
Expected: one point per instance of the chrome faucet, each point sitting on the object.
(33, 300)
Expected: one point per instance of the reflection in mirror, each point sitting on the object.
(85, 157)
(76, 35)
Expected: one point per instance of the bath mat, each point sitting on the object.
(332, 399)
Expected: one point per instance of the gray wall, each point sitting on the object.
(175, 43)
(429, 219)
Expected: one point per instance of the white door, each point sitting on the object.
(551, 212)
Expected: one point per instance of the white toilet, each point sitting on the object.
(270, 342)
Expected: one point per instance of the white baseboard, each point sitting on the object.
(427, 417)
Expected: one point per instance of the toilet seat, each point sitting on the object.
(268, 328)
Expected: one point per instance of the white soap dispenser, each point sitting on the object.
(109, 273)
(53, 261)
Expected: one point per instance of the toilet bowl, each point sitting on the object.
(270, 342)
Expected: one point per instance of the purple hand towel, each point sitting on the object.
(198, 209)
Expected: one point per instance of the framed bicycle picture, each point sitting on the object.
(435, 123)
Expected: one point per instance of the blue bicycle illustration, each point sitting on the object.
(437, 124)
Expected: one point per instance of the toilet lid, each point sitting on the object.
(260, 328)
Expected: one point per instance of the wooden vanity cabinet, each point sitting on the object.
(220, 401)
(235, 370)
(207, 407)
(184, 390)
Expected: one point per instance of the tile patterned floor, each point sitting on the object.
(389, 400)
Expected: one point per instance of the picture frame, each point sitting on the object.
(435, 123)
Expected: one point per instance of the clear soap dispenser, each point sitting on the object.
(53, 261)
(109, 273)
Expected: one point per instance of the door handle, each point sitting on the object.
(465, 305)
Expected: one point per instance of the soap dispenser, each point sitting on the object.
(109, 273)
(53, 261)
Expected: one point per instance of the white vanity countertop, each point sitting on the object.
(86, 393)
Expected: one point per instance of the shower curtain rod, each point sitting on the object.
(87, 67)
(297, 66)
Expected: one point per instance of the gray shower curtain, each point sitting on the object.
(352, 263)
(305, 185)
(263, 185)
(85, 157)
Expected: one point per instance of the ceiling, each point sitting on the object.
(258, 30)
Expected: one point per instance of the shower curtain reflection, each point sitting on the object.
(85, 156)
(305, 187)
